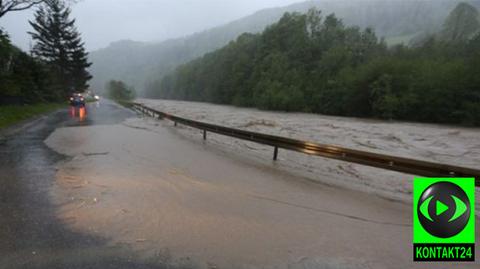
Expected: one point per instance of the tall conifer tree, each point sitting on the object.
(59, 43)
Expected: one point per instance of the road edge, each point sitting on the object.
(18, 127)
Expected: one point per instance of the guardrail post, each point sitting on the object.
(204, 134)
(175, 123)
(275, 153)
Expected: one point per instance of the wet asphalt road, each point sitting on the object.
(30, 234)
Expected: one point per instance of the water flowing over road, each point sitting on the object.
(121, 191)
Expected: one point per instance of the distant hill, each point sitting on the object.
(139, 63)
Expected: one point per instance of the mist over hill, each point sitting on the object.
(138, 64)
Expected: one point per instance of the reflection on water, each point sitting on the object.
(80, 112)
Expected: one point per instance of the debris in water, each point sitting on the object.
(262, 122)
(81, 205)
(95, 154)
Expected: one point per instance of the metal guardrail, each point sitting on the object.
(399, 164)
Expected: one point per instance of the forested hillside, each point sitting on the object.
(312, 62)
(140, 64)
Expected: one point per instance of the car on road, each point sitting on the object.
(77, 100)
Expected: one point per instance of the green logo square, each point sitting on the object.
(444, 219)
(444, 210)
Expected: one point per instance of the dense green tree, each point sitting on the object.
(22, 78)
(5, 52)
(58, 43)
(78, 64)
(118, 90)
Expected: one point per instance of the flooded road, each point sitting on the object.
(121, 191)
(31, 234)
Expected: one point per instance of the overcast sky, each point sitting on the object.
(104, 21)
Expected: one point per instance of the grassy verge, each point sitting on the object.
(12, 114)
